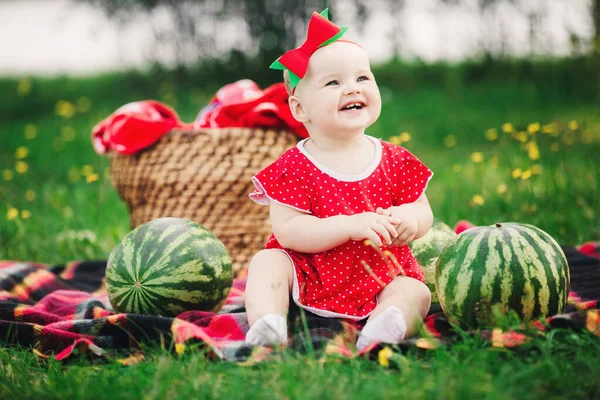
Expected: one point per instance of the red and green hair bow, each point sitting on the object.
(321, 32)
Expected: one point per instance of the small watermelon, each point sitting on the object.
(428, 248)
(498, 269)
(168, 266)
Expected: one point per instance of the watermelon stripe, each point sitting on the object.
(465, 273)
(553, 272)
(168, 266)
(526, 258)
(167, 253)
(490, 275)
(144, 237)
(512, 266)
(552, 250)
(548, 293)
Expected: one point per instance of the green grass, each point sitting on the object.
(63, 207)
(564, 366)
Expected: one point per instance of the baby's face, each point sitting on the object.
(338, 92)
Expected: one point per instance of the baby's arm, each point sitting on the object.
(309, 234)
(416, 218)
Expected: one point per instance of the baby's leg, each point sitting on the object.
(403, 304)
(268, 287)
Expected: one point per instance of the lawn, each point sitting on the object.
(500, 151)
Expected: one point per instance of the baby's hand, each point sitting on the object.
(373, 226)
(406, 229)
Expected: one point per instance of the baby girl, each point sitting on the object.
(343, 205)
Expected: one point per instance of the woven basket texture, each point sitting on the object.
(204, 175)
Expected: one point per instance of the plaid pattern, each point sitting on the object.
(63, 310)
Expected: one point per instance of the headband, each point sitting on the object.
(321, 32)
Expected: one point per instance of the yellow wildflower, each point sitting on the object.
(405, 137)
(522, 136)
(508, 127)
(533, 151)
(491, 134)
(550, 128)
(526, 174)
(30, 131)
(396, 140)
(456, 168)
(478, 200)
(67, 134)
(92, 178)
(21, 152)
(83, 104)
(21, 167)
(29, 195)
(87, 170)
(554, 147)
(64, 108)
(25, 214)
(536, 169)
(502, 188)
(517, 173)
(450, 141)
(573, 125)
(533, 128)
(12, 213)
(23, 86)
(477, 157)
(179, 348)
(384, 356)
(7, 174)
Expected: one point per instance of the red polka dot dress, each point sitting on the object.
(336, 283)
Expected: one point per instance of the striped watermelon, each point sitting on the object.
(168, 266)
(427, 249)
(502, 267)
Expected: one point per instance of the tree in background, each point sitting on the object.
(189, 30)
(193, 27)
(595, 6)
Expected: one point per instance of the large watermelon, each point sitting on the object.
(168, 266)
(498, 268)
(428, 248)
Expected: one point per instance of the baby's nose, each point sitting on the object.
(352, 88)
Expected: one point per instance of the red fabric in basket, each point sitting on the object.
(137, 125)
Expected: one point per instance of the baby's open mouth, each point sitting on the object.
(353, 106)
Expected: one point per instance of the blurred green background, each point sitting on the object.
(509, 137)
(500, 98)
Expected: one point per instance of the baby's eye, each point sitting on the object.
(362, 78)
(333, 82)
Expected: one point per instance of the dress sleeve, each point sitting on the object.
(413, 177)
(279, 184)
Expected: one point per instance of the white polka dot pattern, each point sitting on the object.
(336, 280)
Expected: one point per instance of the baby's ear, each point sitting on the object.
(297, 109)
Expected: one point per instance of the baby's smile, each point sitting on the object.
(353, 106)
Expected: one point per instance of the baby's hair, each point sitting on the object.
(286, 82)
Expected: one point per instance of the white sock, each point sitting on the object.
(388, 327)
(267, 330)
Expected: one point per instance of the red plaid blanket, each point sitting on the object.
(62, 310)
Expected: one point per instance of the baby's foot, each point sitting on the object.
(389, 327)
(267, 330)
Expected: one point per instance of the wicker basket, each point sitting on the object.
(204, 176)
